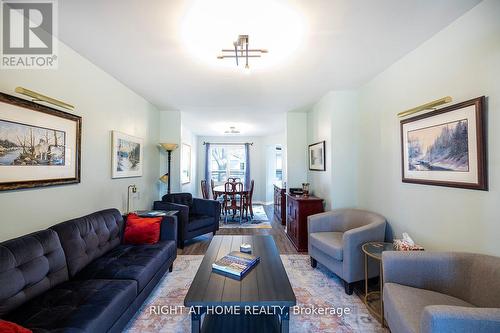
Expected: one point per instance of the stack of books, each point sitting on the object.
(236, 264)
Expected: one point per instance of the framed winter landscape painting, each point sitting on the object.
(446, 147)
(39, 145)
(127, 155)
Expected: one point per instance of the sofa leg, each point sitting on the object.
(213, 232)
(348, 288)
(181, 245)
(314, 262)
(171, 268)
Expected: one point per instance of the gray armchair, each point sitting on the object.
(441, 292)
(335, 240)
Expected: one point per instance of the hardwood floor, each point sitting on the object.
(199, 245)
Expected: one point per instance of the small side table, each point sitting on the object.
(374, 250)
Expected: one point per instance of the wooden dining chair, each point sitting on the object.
(204, 189)
(233, 200)
(234, 179)
(249, 200)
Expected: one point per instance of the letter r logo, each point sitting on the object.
(27, 27)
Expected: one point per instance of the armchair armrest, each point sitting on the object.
(168, 228)
(324, 222)
(182, 216)
(458, 319)
(353, 239)
(206, 207)
(438, 271)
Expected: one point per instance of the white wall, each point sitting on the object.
(334, 119)
(105, 105)
(191, 139)
(462, 61)
(170, 132)
(296, 149)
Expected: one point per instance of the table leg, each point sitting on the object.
(285, 320)
(381, 282)
(195, 323)
(366, 277)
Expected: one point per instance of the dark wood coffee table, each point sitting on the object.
(266, 286)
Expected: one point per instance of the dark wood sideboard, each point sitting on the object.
(280, 203)
(298, 208)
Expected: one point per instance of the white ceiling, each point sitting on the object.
(345, 43)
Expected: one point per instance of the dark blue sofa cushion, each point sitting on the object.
(77, 306)
(134, 262)
(29, 266)
(89, 237)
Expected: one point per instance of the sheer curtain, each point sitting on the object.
(247, 165)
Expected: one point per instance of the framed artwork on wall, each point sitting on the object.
(317, 156)
(185, 163)
(127, 155)
(39, 145)
(446, 147)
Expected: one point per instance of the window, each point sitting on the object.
(227, 161)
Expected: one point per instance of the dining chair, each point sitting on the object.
(214, 196)
(249, 200)
(233, 200)
(234, 179)
(204, 189)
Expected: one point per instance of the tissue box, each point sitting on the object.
(400, 245)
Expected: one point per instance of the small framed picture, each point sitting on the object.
(185, 164)
(127, 155)
(39, 145)
(446, 147)
(317, 156)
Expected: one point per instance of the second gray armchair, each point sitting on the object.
(335, 239)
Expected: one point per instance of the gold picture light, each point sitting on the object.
(42, 98)
(426, 106)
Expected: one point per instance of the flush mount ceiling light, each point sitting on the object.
(241, 50)
(232, 130)
(207, 26)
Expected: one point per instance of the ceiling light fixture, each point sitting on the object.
(232, 130)
(241, 50)
(205, 27)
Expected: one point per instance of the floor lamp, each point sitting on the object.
(169, 148)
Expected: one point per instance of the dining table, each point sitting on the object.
(220, 190)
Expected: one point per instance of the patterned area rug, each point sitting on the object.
(259, 221)
(314, 288)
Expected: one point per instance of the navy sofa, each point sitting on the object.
(196, 216)
(77, 276)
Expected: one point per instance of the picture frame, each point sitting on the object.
(446, 147)
(317, 156)
(39, 145)
(185, 163)
(127, 155)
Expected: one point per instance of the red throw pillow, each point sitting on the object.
(9, 327)
(142, 230)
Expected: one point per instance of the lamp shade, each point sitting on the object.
(164, 178)
(169, 146)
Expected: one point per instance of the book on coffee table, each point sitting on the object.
(235, 264)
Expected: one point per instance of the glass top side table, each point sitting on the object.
(374, 250)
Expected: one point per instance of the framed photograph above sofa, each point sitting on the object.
(446, 147)
(127, 155)
(39, 145)
(317, 156)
